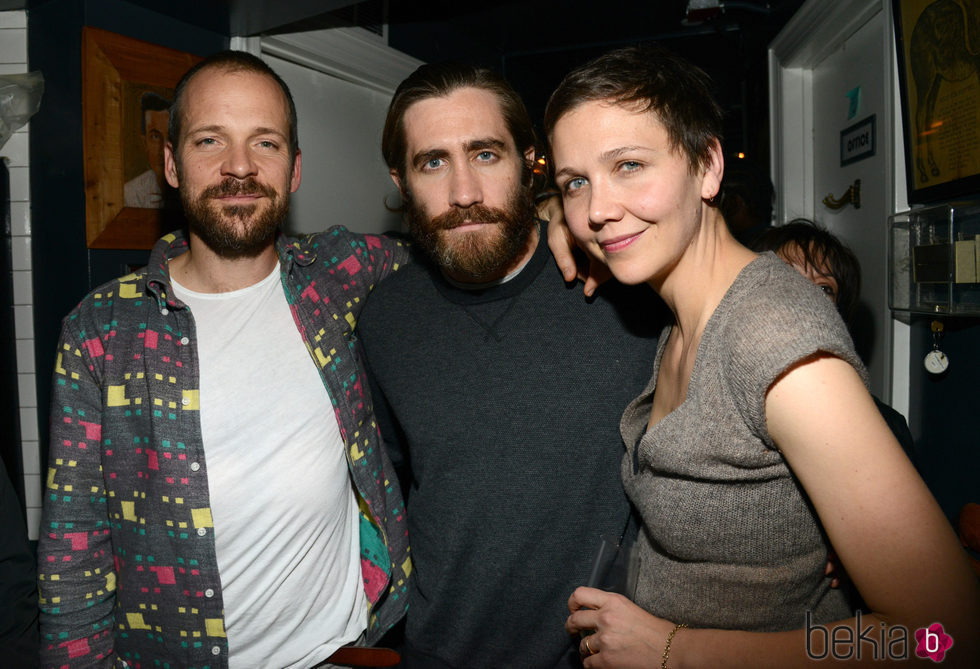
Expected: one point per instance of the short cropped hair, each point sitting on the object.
(652, 79)
(230, 61)
(151, 101)
(436, 80)
(820, 250)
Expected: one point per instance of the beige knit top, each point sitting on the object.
(729, 539)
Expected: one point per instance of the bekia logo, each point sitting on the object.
(932, 642)
(843, 642)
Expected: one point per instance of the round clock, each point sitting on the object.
(936, 362)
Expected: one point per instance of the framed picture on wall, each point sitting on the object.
(939, 78)
(127, 88)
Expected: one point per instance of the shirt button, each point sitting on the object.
(215, 650)
(164, 311)
(209, 593)
(195, 466)
(185, 401)
(201, 531)
(185, 341)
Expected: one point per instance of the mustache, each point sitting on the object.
(457, 216)
(230, 186)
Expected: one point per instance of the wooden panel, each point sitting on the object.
(110, 62)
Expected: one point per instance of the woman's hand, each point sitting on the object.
(620, 633)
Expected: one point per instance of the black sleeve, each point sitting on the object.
(19, 641)
(899, 427)
(392, 435)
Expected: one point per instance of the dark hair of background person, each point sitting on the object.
(230, 61)
(650, 79)
(746, 199)
(435, 80)
(820, 250)
(151, 101)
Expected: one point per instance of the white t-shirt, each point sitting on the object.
(284, 512)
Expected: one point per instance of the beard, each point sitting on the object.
(235, 231)
(482, 254)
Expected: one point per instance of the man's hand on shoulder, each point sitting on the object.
(562, 244)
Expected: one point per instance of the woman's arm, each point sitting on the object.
(887, 529)
(892, 538)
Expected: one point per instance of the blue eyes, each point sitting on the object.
(481, 157)
(578, 183)
(262, 144)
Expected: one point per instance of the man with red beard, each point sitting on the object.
(217, 493)
(498, 386)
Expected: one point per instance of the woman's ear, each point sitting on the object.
(713, 172)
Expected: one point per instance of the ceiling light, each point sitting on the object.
(699, 11)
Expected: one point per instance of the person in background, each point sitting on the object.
(147, 190)
(755, 445)
(217, 493)
(827, 263)
(498, 383)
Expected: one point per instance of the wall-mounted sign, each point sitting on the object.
(853, 102)
(937, 75)
(857, 142)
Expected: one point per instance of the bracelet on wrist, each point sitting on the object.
(670, 638)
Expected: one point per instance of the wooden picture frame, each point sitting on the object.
(940, 89)
(115, 69)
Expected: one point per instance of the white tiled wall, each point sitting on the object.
(13, 60)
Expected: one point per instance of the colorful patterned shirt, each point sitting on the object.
(127, 554)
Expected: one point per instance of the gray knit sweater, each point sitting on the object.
(730, 539)
(508, 400)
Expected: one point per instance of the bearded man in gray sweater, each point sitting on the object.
(497, 384)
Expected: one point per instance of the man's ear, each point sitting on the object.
(393, 173)
(297, 171)
(170, 166)
(529, 161)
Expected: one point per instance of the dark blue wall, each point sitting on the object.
(945, 412)
(64, 268)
